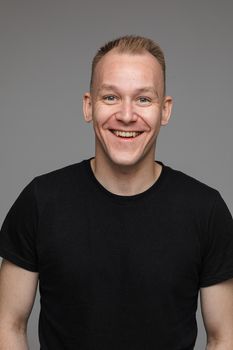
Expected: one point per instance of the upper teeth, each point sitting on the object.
(126, 133)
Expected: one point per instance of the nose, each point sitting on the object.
(126, 113)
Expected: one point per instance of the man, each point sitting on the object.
(120, 243)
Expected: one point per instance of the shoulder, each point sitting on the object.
(60, 181)
(60, 174)
(190, 189)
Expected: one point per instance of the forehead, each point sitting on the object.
(127, 68)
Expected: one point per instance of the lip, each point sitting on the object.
(125, 130)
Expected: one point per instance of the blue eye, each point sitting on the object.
(144, 100)
(110, 98)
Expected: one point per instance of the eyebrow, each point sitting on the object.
(139, 90)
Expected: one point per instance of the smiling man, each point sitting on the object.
(122, 244)
(127, 105)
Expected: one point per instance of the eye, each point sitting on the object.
(110, 98)
(144, 100)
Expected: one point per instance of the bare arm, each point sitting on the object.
(17, 294)
(217, 312)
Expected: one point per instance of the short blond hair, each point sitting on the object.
(131, 44)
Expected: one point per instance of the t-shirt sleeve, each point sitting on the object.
(218, 259)
(18, 232)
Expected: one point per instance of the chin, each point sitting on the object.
(124, 161)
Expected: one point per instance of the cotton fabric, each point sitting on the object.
(119, 272)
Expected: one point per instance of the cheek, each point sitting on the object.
(151, 116)
(102, 114)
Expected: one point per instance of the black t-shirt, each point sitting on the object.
(119, 272)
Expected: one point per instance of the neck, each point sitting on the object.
(126, 181)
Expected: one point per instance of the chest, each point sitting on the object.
(112, 250)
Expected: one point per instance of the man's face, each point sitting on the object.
(127, 107)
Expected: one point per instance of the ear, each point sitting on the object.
(87, 107)
(166, 109)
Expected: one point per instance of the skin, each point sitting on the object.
(127, 95)
(17, 294)
(217, 312)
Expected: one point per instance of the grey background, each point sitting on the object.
(45, 51)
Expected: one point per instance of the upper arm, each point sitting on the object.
(17, 294)
(217, 311)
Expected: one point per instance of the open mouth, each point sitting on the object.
(126, 134)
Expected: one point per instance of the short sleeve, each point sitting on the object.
(218, 259)
(18, 232)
